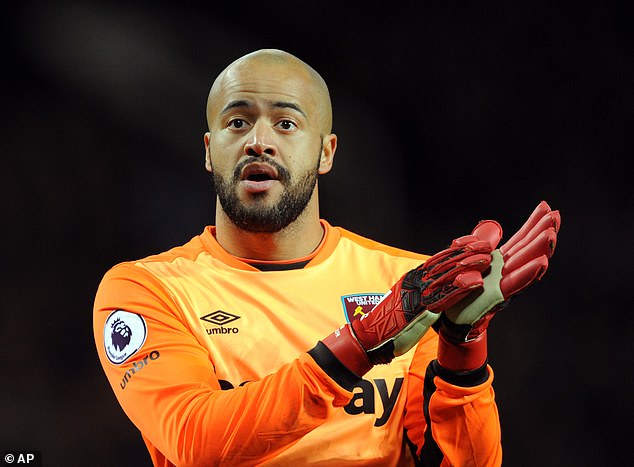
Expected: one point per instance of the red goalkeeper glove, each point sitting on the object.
(410, 307)
(522, 260)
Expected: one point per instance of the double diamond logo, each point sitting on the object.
(219, 318)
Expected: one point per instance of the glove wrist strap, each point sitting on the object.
(462, 356)
(347, 349)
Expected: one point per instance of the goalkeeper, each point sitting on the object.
(269, 339)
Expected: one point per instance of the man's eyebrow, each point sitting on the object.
(240, 103)
(289, 105)
(235, 104)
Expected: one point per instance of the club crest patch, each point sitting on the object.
(123, 335)
(356, 305)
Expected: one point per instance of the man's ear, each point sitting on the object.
(328, 148)
(207, 154)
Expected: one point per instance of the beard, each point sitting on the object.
(260, 217)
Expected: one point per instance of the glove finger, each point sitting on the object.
(542, 209)
(447, 259)
(543, 244)
(479, 262)
(518, 279)
(440, 258)
(455, 284)
(464, 240)
(451, 294)
(470, 279)
(489, 231)
(551, 220)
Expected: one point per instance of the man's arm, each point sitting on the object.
(169, 390)
(450, 417)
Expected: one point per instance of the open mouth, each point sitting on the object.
(257, 172)
(258, 177)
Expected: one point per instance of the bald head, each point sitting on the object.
(274, 71)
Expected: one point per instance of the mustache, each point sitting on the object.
(283, 174)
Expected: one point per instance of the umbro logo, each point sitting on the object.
(220, 318)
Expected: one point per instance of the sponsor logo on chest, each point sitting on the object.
(365, 400)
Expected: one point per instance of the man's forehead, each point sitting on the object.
(254, 85)
(269, 90)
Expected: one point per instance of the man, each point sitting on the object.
(269, 338)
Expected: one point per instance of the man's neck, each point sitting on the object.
(297, 240)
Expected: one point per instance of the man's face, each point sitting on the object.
(264, 147)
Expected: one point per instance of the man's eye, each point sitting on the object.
(287, 125)
(237, 123)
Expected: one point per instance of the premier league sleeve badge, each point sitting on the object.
(124, 334)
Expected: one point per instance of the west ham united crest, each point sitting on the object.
(123, 335)
(356, 305)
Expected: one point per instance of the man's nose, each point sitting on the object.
(260, 141)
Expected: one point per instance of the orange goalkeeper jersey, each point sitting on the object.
(208, 356)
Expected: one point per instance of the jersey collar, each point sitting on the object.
(321, 253)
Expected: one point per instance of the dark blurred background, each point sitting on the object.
(446, 114)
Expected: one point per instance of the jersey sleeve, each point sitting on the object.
(168, 389)
(450, 418)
